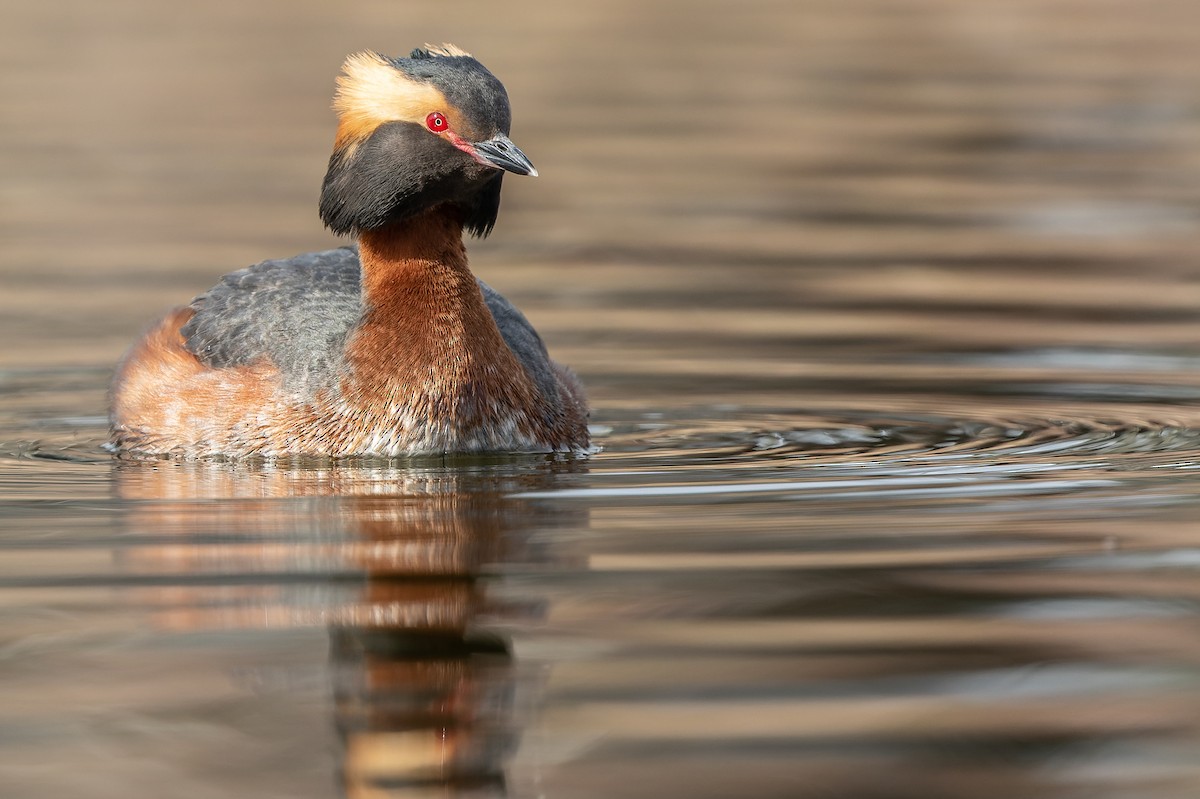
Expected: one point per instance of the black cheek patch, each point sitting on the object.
(402, 170)
(481, 217)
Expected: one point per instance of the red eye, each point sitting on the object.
(436, 122)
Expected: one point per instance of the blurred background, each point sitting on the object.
(708, 168)
(888, 311)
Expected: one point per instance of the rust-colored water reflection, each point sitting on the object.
(391, 562)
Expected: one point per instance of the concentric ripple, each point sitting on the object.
(53, 417)
(757, 438)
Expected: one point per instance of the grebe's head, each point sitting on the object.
(418, 132)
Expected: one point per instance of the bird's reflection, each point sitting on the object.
(393, 562)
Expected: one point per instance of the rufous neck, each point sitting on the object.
(426, 249)
(425, 314)
(427, 334)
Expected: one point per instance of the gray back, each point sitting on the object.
(297, 314)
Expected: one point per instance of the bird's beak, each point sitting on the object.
(500, 152)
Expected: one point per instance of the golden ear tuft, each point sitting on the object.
(363, 74)
(372, 91)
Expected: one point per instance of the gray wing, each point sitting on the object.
(523, 340)
(298, 312)
(295, 313)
